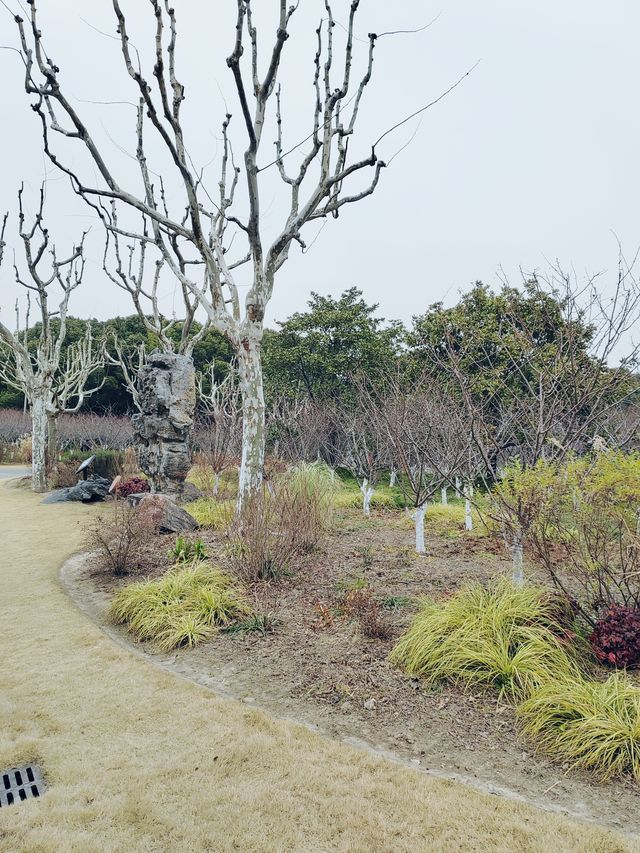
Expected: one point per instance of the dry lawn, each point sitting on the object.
(139, 760)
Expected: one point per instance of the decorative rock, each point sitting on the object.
(189, 493)
(167, 515)
(167, 401)
(370, 705)
(93, 489)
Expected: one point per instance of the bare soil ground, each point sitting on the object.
(317, 667)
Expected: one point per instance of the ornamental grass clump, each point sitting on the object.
(183, 608)
(594, 726)
(509, 637)
(306, 497)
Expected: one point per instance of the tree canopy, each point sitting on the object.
(315, 352)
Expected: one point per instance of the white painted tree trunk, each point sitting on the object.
(458, 485)
(253, 420)
(444, 498)
(418, 517)
(38, 443)
(468, 517)
(393, 477)
(52, 440)
(216, 484)
(367, 494)
(517, 552)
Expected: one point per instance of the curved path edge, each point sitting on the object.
(73, 569)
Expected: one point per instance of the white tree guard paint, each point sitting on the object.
(458, 487)
(444, 497)
(367, 494)
(418, 517)
(393, 477)
(468, 515)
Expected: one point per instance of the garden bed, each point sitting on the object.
(317, 667)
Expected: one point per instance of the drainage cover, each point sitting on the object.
(20, 783)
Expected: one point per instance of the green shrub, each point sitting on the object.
(594, 726)
(580, 521)
(107, 464)
(183, 608)
(504, 635)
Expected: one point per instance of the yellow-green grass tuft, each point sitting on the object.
(592, 725)
(209, 512)
(504, 636)
(311, 484)
(447, 520)
(382, 498)
(183, 608)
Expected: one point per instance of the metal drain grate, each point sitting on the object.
(20, 783)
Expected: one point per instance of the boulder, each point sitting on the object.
(165, 513)
(87, 491)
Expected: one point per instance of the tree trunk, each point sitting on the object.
(52, 441)
(253, 420)
(367, 494)
(458, 484)
(392, 478)
(468, 517)
(419, 520)
(443, 496)
(517, 551)
(38, 444)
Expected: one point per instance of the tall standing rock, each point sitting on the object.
(167, 390)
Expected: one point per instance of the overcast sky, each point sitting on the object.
(534, 157)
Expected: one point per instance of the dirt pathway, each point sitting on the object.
(140, 760)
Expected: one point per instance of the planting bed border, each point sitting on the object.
(73, 579)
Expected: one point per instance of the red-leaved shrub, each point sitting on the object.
(616, 637)
(132, 486)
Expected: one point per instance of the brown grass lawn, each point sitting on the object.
(138, 760)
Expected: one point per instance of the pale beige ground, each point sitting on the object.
(138, 760)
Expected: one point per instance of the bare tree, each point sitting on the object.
(558, 391)
(362, 442)
(300, 428)
(130, 362)
(126, 267)
(220, 422)
(195, 243)
(620, 426)
(427, 436)
(51, 382)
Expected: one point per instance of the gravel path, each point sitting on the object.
(8, 472)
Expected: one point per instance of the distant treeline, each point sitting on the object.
(315, 353)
